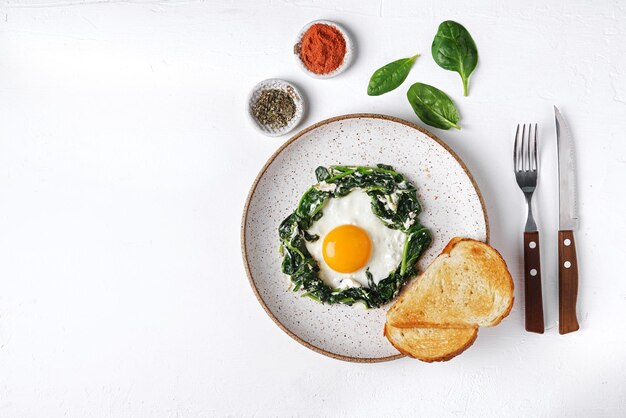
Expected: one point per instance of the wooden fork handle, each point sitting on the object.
(568, 283)
(532, 283)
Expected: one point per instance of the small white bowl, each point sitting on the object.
(276, 83)
(347, 59)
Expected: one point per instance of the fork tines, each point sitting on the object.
(523, 159)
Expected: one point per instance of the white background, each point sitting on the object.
(126, 158)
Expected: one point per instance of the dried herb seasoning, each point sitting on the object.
(274, 108)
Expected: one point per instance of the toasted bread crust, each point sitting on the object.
(437, 317)
(446, 353)
(453, 242)
(507, 311)
(427, 307)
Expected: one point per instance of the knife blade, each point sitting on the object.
(568, 222)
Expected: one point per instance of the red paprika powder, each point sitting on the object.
(322, 48)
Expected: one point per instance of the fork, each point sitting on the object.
(525, 165)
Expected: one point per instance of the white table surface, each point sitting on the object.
(126, 158)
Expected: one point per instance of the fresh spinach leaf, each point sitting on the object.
(433, 106)
(454, 49)
(390, 76)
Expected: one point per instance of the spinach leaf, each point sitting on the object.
(310, 205)
(321, 173)
(310, 237)
(454, 49)
(394, 202)
(433, 106)
(390, 76)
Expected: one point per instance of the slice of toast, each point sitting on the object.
(431, 344)
(467, 285)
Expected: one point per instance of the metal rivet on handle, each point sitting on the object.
(567, 242)
(532, 244)
(533, 272)
(567, 264)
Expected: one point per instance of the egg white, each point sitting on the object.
(387, 244)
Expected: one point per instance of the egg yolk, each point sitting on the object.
(346, 248)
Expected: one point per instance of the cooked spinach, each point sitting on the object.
(321, 173)
(390, 76)
(394, 202)
(433, 106)
(454, 49)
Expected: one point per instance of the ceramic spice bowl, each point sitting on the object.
(347, 59)
(291, 90)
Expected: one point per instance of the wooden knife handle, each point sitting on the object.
(568, 283)
(532, 283)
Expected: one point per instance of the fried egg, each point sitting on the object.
(352, 239)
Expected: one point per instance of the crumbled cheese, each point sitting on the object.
(348, 283)
(407, 224)
(326, 187)
(392, 201)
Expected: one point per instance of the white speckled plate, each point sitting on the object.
(452, 206)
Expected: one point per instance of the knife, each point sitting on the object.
(568, 222)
